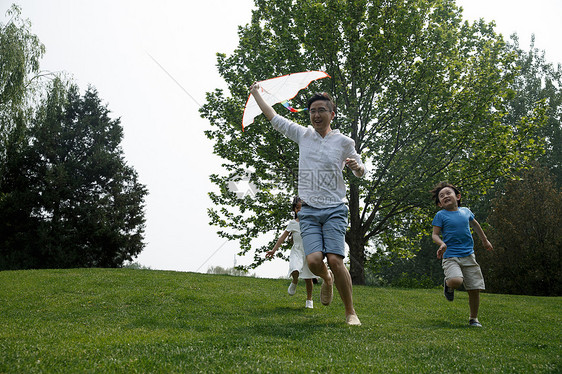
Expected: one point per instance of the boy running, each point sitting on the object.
(456, 248)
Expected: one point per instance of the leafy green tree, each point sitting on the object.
(20, 52)
(526, 232)
(539, 81)
(70, 199)
(421, 92)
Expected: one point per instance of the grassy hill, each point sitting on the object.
(125, 320)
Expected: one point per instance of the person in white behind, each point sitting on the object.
(298, 267)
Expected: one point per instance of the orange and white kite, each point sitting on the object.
(279, 90)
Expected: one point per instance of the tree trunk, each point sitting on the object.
(355, 238)
(356, 258)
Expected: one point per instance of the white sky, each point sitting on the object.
(108, 44)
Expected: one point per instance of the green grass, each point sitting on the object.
(125, 320)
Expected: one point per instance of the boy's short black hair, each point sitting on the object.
(435, 191)
(322, 96)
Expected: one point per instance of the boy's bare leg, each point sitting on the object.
(454, 282)
(474, 302)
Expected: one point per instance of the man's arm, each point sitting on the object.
(266, 109)
(353, 159)
(476, 227)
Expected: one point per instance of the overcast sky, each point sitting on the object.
(138, 53)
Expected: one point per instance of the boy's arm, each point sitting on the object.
(266, 109)
(476, 227)
(437, 239)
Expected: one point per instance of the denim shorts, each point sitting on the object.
(323, 229)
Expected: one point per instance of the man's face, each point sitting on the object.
(448, 199)
(321, 115)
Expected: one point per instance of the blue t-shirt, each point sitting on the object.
(456, 231)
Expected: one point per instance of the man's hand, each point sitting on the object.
(255, 89)
(266, 109)
(353, 165)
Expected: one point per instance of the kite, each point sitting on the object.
(279, 90)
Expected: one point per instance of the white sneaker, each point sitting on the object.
(292, 289)
(309, 304)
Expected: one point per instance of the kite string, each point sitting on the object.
(266, 91)
(285, 103)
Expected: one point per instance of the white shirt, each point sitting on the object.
(321, 161)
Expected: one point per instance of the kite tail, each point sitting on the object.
(285, 103)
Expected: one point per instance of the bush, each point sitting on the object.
(135, 265)
(228, 271)
(421, 270)
(526, 232)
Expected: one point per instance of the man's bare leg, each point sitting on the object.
(343, 282)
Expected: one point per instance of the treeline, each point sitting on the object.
(522, 216)
(427, 97)
(67, 196)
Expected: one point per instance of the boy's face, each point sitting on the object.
(448, 199)
(321, 115)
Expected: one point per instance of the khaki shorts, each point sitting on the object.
(466, 268)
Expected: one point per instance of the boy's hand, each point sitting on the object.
(269, 254)
(487, 245)
(441, 250)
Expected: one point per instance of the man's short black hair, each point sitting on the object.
(325, 97)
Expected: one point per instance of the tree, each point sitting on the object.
(536, 81)
(70, 200)
(420, 92)
(526, 231)
(539, 81)
(20, 52)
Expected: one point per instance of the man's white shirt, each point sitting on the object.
(321, 162)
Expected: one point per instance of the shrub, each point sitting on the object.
(526, 232)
